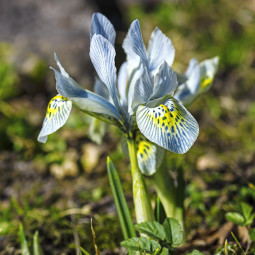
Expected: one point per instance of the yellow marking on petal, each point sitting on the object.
(143, 147)
(54, 105)
(167, 118)
(205, 81)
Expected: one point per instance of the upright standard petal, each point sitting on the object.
(58, 111)
(102, 54)
(143, 90)
(192, 64)
(208, 70)
(193, 82)
(149, 155)
(160, 49)
(133, 79)
(133, 44)
(168, 124)
(100, 25)
(123, 83)
(165, 81)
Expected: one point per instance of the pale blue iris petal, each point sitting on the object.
(193, 82)
(133, 69)
(160, 49)
(133, 44)
(62, 70)
(168, 124)
(136, 56)
(102, 54)
(165, 81)
(58, 111)
(85, 100)
(149, 155)
(102, 26)
(143, 89)
(123, 83)
(192, 63)
(57, 114)
(208, 70)
(189, 90)
(101, 89)
(133, 79)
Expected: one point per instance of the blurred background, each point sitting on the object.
(57, 187)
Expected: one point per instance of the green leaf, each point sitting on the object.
(235, 217)
(246, 212)
(252, 234)
(23, 241)
(125, 219)
(173, 232)
(141, 244)
(152, 229)
(82, 250)
(36, 246)
(137, 244)
(155, 246)
(164, 251)
(249, 221)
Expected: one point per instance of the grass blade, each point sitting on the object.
(120, 202)
(239, 245)
(36, 246)
(83, 251)
(23, 241)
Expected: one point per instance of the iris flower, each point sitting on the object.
(148, 107)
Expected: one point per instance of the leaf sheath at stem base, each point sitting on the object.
(170, 196)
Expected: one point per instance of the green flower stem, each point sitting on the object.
(143, 208)
(180, 194)
(170, 196)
